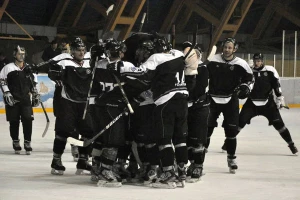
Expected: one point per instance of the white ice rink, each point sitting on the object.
(267, 169)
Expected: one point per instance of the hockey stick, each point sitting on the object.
(90, 89)
(124, 94)
(85, 143)
(44, 110)
(212, 53)
(142, 22)
(136, 153)
(194, 43)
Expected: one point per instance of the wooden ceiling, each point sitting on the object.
(262, 19)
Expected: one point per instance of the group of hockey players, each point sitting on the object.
(157, 105)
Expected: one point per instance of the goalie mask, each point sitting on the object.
(19, 53)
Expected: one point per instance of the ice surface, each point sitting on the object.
(267, 169)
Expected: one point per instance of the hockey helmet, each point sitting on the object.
(232, 40)
(186, 44)
(161, 44)
(258, 56)
(114, 47)
(144, 51)
(18, 49)
(77, 43)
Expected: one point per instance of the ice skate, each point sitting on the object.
(120, 170)
(232, 165)
(133, 170)
(57, 167)
(75, 153)
(181, 175)
(83, 166)
(107, 178)
(167, 180)
(293, 149)
(194, 173)
(94, 174)
(27, 147)
(16, 146)
(150, 176)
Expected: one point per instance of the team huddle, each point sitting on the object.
(142, 109)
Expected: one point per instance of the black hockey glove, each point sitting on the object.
(136, 101)
(55, 72)
(243, 91)
(8, 98)
(30, 69)
(36, 99)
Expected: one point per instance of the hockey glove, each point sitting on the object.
(112, 66)
(280, 102)
(36, 99)
(136, 101)
(55, 72)
(8, 98)
(243, 91)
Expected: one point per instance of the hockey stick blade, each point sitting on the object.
(46, 129)
(47, 119)
(212, 53)
(75, 141)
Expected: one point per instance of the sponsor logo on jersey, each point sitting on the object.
(231, 67)
(266, 74)
(133, 69)
(217, 66)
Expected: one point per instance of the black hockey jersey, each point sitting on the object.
(75, 79)
(165, 71)
(266, 80)
(198, 93)
(106, 87)
(226, 76)
(18, 82)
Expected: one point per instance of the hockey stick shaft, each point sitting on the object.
(44, 110)
(123, 94)
(90, 89)
(85, 143)
(194, 43)
(142, 22)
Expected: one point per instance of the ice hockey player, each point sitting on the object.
(110, 104)
(261, 100)
(197, 84)
(165, 71)
(17, 83)
(230, 79)
(73, 74)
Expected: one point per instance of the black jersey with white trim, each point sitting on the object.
(201, 85)
(76, 77)
(106, 87)
(266, 80)
(165, 71)
(225, 77)
(17, 82)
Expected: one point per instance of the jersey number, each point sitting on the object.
(106, 87)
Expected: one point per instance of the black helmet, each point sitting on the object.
(114, 47)
(77, 43)
(258, 56)
(144, 51)
(161, 44)
(186, 44)
(232, 40)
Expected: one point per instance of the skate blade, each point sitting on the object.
(169, 185)
(180, 184)
(232, 171)
(28, 152)
(103, 183)
(57, 172)
(82, 172)
(17, 152)
(193, 180)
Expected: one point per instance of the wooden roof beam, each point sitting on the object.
(291, 14)
(172, 15)
(244, 10)
(58, 12)
(3, 7)
(187, 13)
(202, 12)
(223, 22)
(97, 6)
(264, 20)
(80, 8)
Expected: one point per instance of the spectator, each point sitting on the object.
(51, 51)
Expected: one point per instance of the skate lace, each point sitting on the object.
(196, 171)
(232, 162)
(108, 174)
(27, 145)
(16, 144)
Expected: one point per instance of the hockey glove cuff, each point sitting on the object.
(36, 99)
(280, 103)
